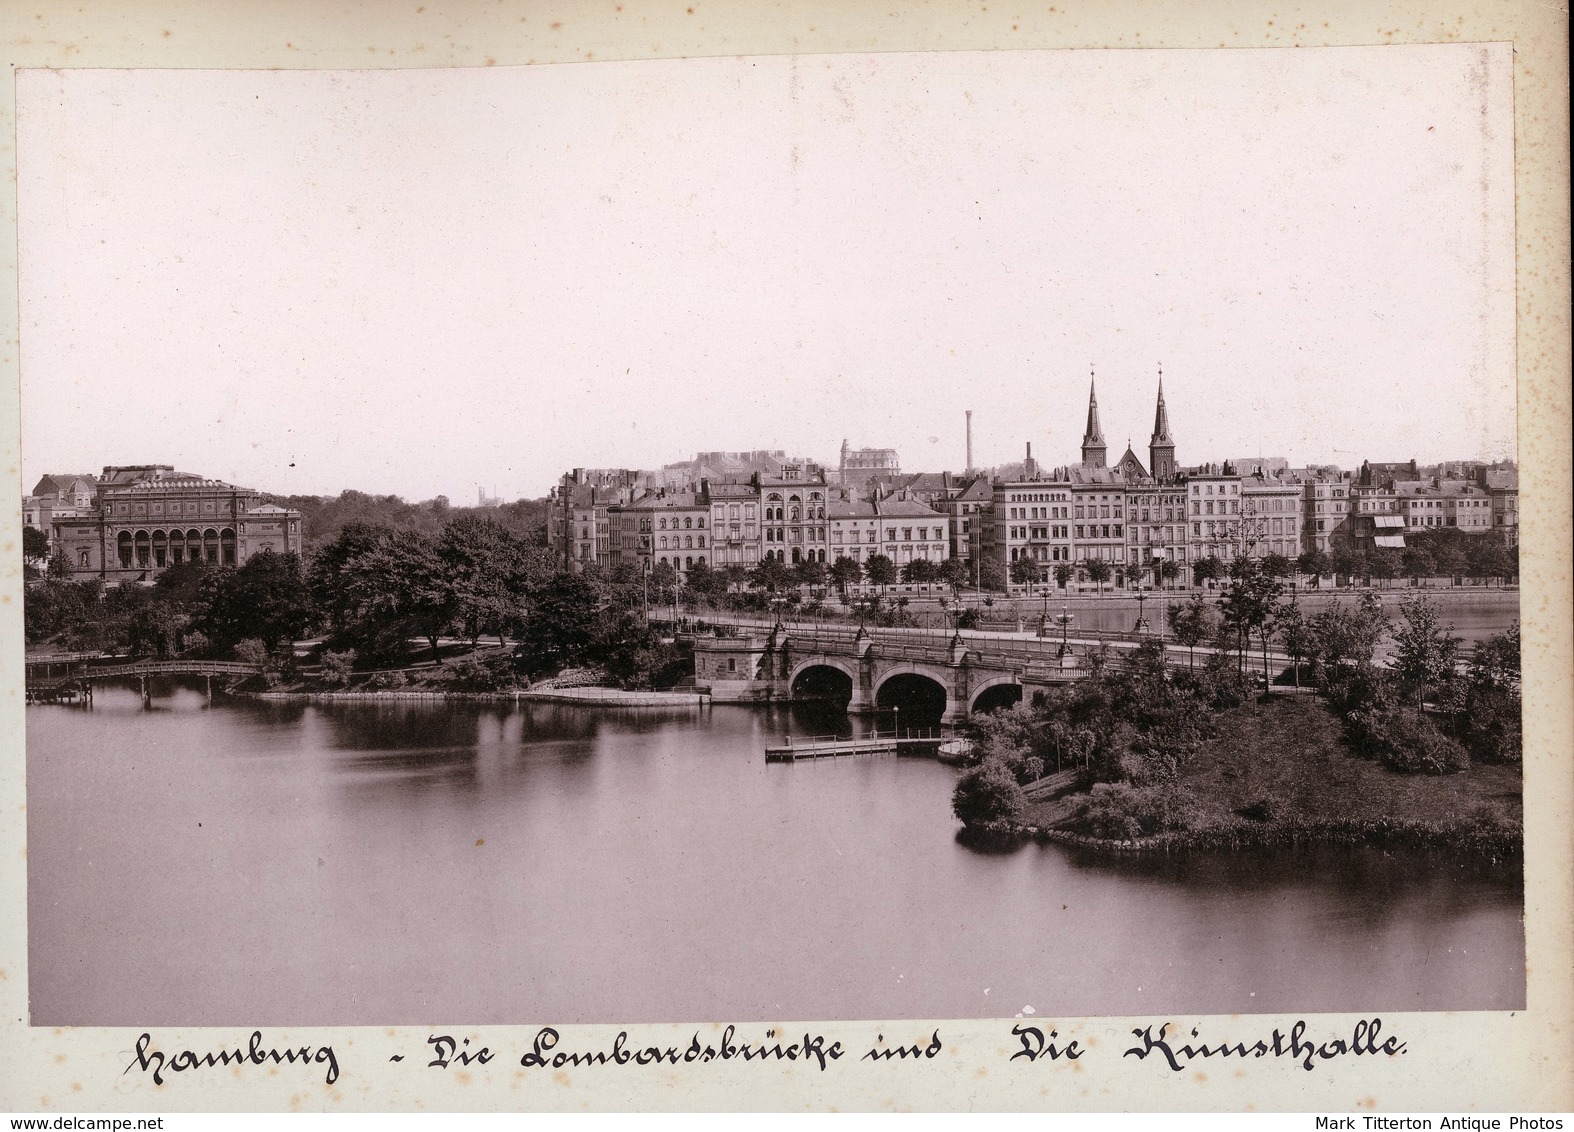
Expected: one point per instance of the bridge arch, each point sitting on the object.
(992, 693)
(926, 690)
(824, 677)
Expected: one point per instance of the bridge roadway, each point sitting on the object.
(756, 661)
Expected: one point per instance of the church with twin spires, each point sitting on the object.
(1161, 446)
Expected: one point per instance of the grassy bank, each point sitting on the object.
(1277, 772)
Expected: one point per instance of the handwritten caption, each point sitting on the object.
(549, 1050)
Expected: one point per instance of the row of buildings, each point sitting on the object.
(132, 521)
(726, 509)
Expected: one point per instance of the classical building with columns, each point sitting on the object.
(148, 517)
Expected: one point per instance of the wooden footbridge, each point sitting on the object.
(68, 679)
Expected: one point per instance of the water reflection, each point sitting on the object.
(269, 862)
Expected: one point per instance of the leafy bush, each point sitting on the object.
(337, 666)
(482, 674)
(988, 795)
(252, 651)
(388, 678)
(1403, 740)
(1118, 811)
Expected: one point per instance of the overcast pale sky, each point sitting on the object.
(422, 281)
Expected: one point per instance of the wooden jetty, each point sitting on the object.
(833, 746)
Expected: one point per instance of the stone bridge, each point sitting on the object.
(751, 664)
(746, 663)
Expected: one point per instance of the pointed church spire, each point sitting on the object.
(1093, 438)
(1161, 416)
(1161, 449)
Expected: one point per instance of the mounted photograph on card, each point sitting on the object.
(902, 536)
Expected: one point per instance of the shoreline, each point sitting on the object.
(601, 697)
(1462, 841)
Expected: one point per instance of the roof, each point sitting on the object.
(51, 484)
(670, 501)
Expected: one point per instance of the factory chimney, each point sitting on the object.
(969, 441)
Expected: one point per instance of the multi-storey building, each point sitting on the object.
(662, 527)
(902, 529)
(1270, 516)
(860, 465)
(1156, 528)
(1031, 519)
(1325, 521)
(735, 524)
(1213, 511)
(148, 517)
(1375, 519)
(1503, 490)
(794, 514)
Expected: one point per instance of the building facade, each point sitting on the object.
(149, 517)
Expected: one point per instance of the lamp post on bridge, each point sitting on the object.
(1142, 622)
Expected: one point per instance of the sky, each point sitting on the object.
(423, 281)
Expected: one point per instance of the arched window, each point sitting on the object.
(795, 514)
(702, 560)
(688, 541)
(702, 542)
(688, 563)
(688, 524)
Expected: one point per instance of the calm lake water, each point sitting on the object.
(271, 863)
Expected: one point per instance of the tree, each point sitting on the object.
(846, 572)
(266, 598)
(1063, 574)
(1343, 640)
(881, 570)
(1207, 569)
(1169, 570)
(920, 570)
(809, 573)
(988, 794)
(35, 547)
(1385, 565)
(703, 580)
(768, 575)
(953, 572)
(1486, 558)
(1192, 623)
(1450, 561)
(1098, 571)
(1276, 566)
(59, 566)
(991, 574)
(1417, 564)
(1424, 653)
(1345, 561)
(1024, 571)
(1295, 634)
(1249, 602)
(664, 582)
(561, 625)
(491, 571)
(1316, 563)
(379, 586)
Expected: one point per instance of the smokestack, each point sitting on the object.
(969, 441)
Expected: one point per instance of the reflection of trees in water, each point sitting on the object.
(1385, 878)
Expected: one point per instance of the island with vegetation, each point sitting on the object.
(1421, 752)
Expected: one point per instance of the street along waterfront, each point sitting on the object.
(394, 862)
